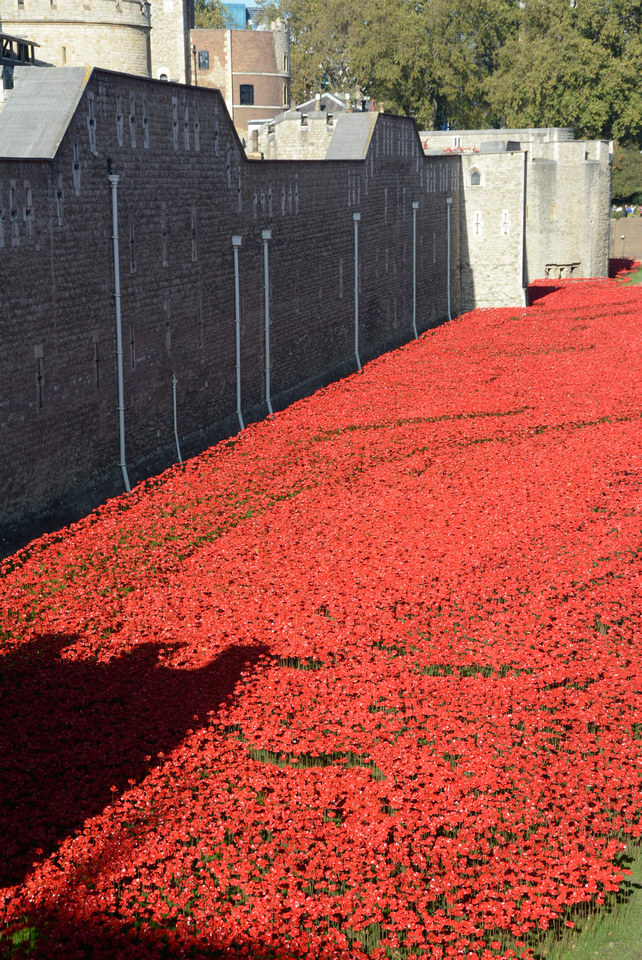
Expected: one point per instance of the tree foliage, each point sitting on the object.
(210, 15)
(470, 63)
(572, 64)
(627, 174)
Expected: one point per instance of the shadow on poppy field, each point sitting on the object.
(617, 264)
(537, 292)
(111, 939)
(72, 730)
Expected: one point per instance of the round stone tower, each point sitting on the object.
(114, 34)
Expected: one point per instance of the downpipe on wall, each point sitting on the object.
(113, 179)
(236, 243)
(178, 448)
(415, 207)
(356, 218)
(449, 202)
(267, 235)
(522, 258)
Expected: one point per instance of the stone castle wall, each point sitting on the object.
(493, 214)
(568, 198)
(305, 136)
(472, 139)
(185, 189)
(171, 57)
(132, 36)
(564, 209)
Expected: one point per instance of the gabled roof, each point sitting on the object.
(39, 110)
(329, 102)
(352, 135)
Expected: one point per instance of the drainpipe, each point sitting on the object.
(113, 179)
(236, 243)
(178, 448)
(356, 218)
(267, 235)
(449, 201)
(522, 248)
(415, 207)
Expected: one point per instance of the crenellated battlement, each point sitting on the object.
(125, 12)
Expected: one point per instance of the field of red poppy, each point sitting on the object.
(364, 679)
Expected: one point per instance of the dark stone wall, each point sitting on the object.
(181, 198)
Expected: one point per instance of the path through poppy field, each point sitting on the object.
(364, 679)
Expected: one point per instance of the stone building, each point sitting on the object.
(149, 38)
(14, 52)
(295, 135)
(535, 203)
(251, 68)
(305, 130)
(359, 250)
(155, 38)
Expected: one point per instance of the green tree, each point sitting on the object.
(467, 38)
(320, 32)
(572, 64)
(627, 174)
(428, 58)
(474, 63)
(210, 14)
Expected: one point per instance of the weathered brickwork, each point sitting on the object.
(185, 188)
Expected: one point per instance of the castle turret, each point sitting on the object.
(114, 34)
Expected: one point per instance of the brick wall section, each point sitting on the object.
(96, 32)
(217, 44)
(253, 51)
(260, 58)
(178, 209)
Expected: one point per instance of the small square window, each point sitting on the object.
(203, 59)
(247, 95)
